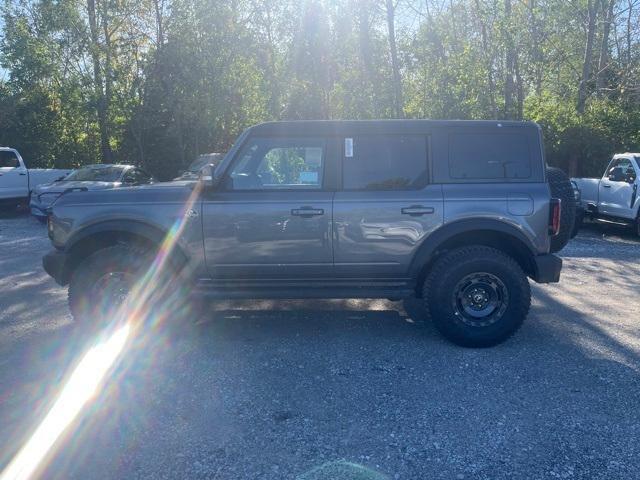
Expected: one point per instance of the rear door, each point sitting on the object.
(14, 180)
(616, 196)
(271, 218)
(386, 206)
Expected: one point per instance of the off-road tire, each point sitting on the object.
(561, 188)
(439, 292)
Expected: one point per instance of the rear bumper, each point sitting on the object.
(56, 264)
(547, 268)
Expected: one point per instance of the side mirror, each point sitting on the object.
(616, 175)
(630, 176)
(208, 177)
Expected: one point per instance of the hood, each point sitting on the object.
(162, 192)
(59, 187)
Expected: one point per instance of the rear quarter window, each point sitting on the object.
(489, 156)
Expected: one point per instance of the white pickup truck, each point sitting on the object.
(17, 181)
(614, 197)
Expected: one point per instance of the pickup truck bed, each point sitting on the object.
(17, 181)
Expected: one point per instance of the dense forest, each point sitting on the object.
(156, 82)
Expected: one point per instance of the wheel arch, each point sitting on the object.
(491, 233)
(112, 232)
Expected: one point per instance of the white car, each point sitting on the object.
(614, 197)
(17, 181)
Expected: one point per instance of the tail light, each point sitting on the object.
(554, 216)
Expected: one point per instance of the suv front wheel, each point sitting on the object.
(118, 283)
(477, 296)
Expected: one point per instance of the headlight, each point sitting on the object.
(49, 227)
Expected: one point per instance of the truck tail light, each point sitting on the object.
(554, 216)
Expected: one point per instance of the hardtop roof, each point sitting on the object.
(337, 127)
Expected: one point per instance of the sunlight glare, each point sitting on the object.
(80, 388)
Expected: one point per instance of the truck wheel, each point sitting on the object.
(103, 282)
(577, 224)
(561, 188)
(477, 296)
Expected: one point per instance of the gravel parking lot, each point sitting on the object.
(338, 389)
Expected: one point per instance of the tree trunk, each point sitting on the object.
(519, 89)
(159, 10)
(98, 83)
(592, 11)
(537, 49)
(603, 61)
(367, 79)
(397, 81)
(108, 79)
(510, 61)
(488, 63)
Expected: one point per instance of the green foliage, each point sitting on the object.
(604, 129)
(159, 82)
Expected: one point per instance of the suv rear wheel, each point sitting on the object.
(477, 296)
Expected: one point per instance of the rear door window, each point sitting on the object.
(385, 162)
(489, 156)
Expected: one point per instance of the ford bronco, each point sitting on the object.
(457, 213)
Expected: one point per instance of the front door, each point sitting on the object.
(616, 195)
(271, 217)
(386, 207)
(14, 180)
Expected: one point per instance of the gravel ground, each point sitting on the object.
(337, 389)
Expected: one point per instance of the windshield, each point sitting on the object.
(197, 164)
(99, 174)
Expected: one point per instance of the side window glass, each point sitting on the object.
(129, 176)
(385, 162)
(621, 170)
(142, 177)
(279, 163)
(8, 159)
(489, 156)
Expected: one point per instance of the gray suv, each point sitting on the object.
(457, 213)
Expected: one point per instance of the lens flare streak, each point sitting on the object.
(79, 389)
(100, 360)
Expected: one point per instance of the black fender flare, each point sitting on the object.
(139, 228)
(434, 241)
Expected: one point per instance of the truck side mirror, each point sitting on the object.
(630, 175)
(617, 175)
(208, 177)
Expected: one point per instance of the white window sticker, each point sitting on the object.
(308, 178)
(348, 147)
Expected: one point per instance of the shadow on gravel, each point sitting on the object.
(582, 332)
(319, 386)
(604, 241)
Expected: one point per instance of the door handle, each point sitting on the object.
(606, 186)
(417, 210)
(307, 212)
(22, 173)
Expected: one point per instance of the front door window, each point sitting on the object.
(279, 164)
